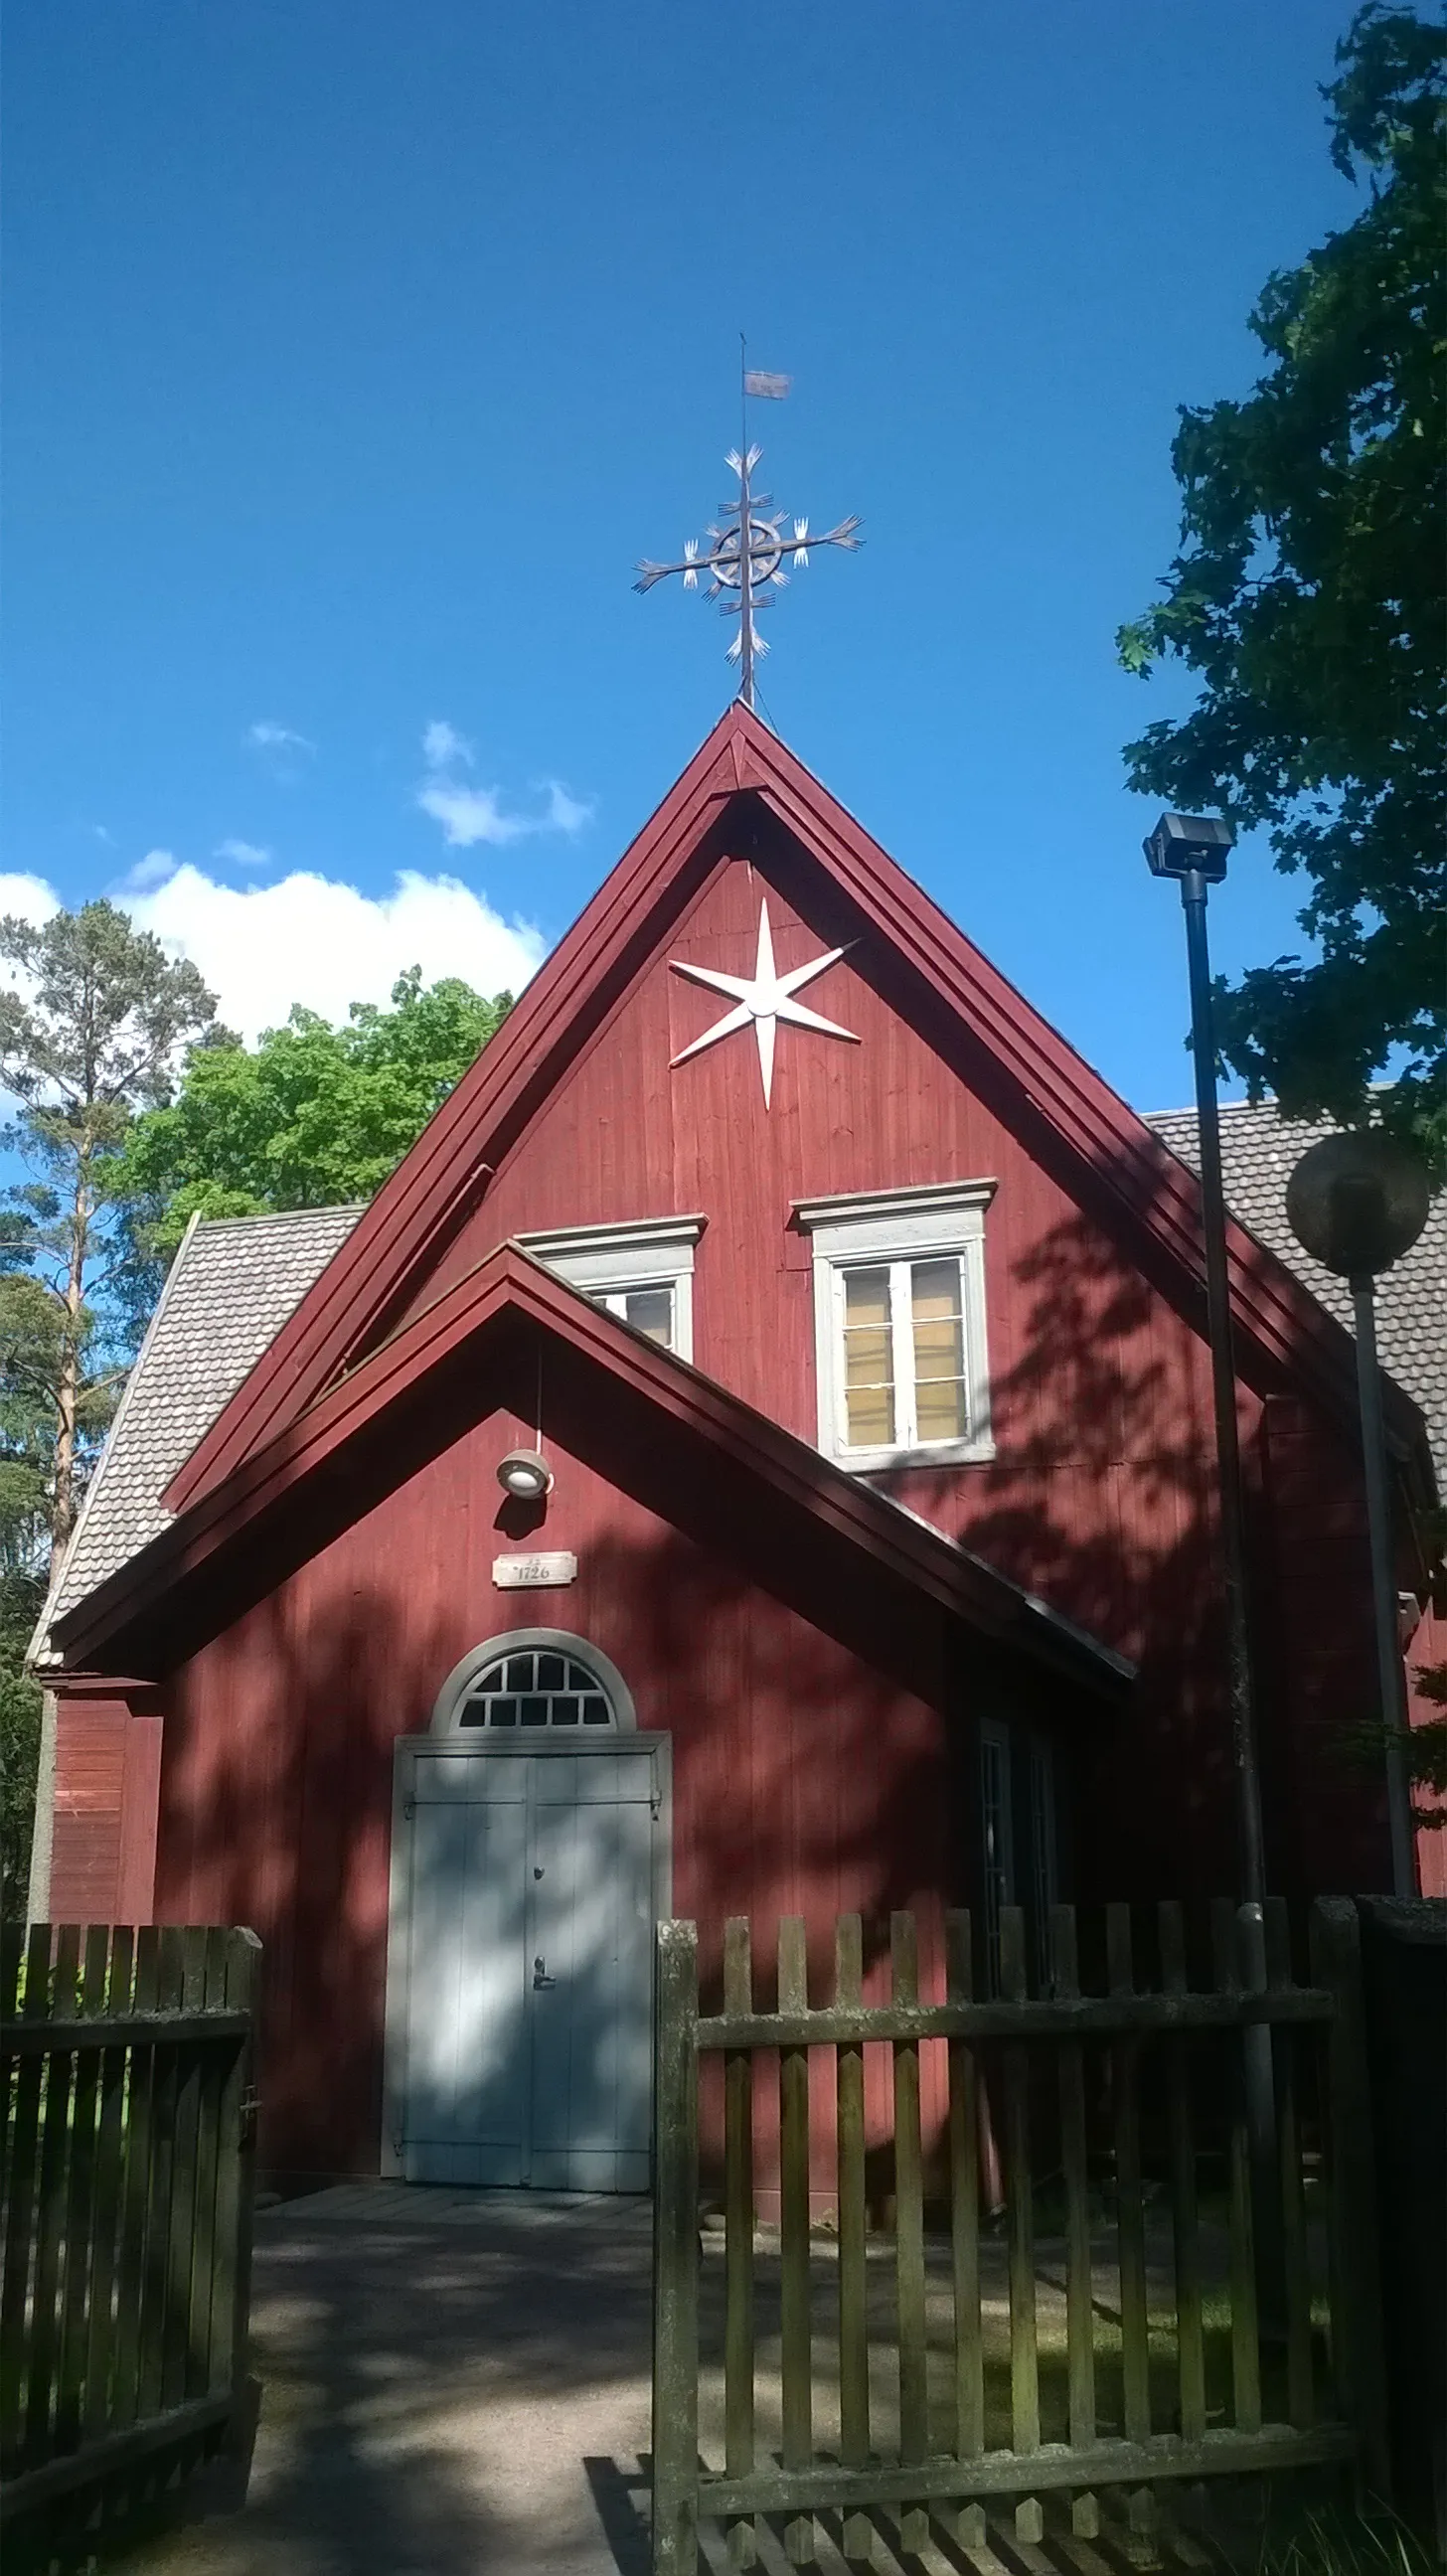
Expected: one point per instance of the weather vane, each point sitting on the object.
(744, 557)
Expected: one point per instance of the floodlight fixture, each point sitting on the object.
(1190, 845)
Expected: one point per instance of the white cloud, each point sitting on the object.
(310, 939)
(30, 897)
(470, 814)
(443, 747)
(566, 813)
(152, 870)
(267, 736)
(242, 854)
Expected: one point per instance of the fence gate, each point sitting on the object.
(127, 2212)
(1108, 2328)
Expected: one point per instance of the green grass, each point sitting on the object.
(1327, 2540)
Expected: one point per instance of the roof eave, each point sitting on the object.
(509, 1283)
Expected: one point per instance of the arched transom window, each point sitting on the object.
(541, 1681)
(537, 1686)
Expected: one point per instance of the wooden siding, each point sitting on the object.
(107, 1774)
(1285, 1342)
(802, 1772)
(89, 1781)
(1101, 1494)
(823, 1728)
(811, 1777)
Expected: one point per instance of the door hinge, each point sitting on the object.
(249, 2114)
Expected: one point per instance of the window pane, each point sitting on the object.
(866, 1297)
(939, 1351)
(650, 1311)
(868, 1360)
(537, 1688)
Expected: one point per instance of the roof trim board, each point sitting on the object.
(1285, 1339)
(437, 1184)
(506, 1287)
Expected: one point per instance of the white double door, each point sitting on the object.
(529, 1908)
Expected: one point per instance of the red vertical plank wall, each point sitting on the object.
(107, 1789)
(90, 1758)
(805, 1780)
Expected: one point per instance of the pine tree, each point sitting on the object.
(93, 1030)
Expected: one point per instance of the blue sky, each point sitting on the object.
(355, 352)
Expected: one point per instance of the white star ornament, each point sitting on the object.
(766, 997)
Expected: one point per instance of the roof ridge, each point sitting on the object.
(280, 1216)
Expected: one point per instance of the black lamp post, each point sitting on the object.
(1192, 848)
(1357, 1202)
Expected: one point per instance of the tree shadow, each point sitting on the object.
(823, 1738)
(432, 2383)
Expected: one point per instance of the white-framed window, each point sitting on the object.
(537, 1686)
(899, 1325)
(642, 1273)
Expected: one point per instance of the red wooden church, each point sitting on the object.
(754, 1456)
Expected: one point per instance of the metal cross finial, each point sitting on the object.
(744, 557)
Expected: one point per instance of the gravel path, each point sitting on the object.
(454, 2383)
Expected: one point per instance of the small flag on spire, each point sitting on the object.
(768, 388)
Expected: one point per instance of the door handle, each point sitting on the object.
(541, 1979)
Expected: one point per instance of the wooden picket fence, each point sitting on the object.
(1115, 2103)
(124, 2280)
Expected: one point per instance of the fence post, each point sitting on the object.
(1358, 2359)
(239, 2118)
(675, 2257)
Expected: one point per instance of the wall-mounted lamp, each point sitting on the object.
(525, 1474)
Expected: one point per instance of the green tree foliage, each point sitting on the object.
(1308, 595)
(314, 1116)
(91, 1032)
(21, 1595)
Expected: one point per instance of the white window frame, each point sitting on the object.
(891, 1229)
(605, 1261)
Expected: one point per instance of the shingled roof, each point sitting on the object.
(228, 1292)
(1258, 1150)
